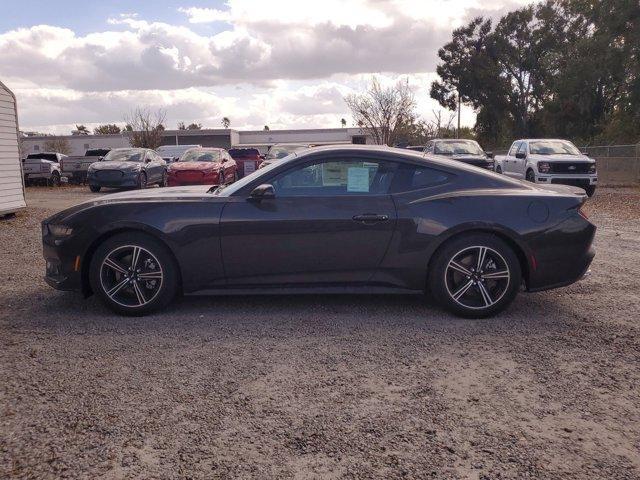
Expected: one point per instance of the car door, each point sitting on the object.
(507, 162)
(519, 164)
(330, 222)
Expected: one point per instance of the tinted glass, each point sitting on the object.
(332, 178)
(200, 156)
(458, 147)
(522, 148)
(415, 177)
(125, 155)
(514, 148)
(553, 147)
(44, 156)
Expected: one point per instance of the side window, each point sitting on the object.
(335, 177)
(514, 149)
(523, 147)
(416, 177)
(429, 147)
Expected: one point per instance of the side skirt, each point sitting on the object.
(305, 290)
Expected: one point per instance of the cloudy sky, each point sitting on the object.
(286, 64)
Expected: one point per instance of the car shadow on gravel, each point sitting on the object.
(64, 311)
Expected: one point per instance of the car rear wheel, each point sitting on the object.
(133, 274)
(94, 188)
(475, 275)
(142, 180)
(54, 181)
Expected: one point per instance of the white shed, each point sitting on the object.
(11, 183)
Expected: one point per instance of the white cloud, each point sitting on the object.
(285, 63)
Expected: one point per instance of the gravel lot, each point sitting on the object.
(322, 386)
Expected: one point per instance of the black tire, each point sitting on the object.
(125, 300)
(94, 188)
(499, 169)
(54, 181)
(142, 181)
(591, 190)
(531, 177)
(445, 280)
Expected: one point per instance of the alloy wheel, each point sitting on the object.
(131, 276)
(477, 277)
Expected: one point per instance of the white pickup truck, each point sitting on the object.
(549, 161)
(43, 167)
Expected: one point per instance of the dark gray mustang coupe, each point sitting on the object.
(344, 219)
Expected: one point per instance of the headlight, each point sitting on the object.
(544, 167)
(592, 168)
(60, 230)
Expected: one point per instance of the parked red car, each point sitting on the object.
(248, 160)
(203, 166)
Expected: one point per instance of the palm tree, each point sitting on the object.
(343, 122)
(226, 122)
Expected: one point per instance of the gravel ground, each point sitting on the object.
(322, 386)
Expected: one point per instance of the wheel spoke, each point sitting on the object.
(459, 268)
(141, 299)
(150, 275)
(462, 290)
(496, 275)
(134, 257)
(482, 253)
(486, 297)
(114, 266)
(117, 287)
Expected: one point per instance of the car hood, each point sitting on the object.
(116, 165)
(559, 158)
(194, 166)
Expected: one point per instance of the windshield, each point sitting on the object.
(458, 147)
(43, 156)
(125, 155)
(553, 147)
(279, 152)
(200, 156)
(228, 190)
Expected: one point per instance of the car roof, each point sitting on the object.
(453, 140)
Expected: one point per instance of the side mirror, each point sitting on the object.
(100, 159)
(264, 191)
(521, 155)
(489, 154)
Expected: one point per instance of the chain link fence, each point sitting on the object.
(609, 151)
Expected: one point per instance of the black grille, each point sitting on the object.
(569, 167)
(574, 182)
(109, 175)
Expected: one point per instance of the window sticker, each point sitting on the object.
(358, 179)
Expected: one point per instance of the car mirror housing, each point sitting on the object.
(489, 154)
(263, 191)
(521, 155)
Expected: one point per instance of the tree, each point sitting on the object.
(226, 122)
(266, 128)
(191, 126)
(146, 127)
(58, 144)
(343, 122)
(381, 111)
(107, 129)
(181, 126)
(128, 128)
(81, 130)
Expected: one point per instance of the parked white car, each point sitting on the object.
(43, 167)
(549, 161)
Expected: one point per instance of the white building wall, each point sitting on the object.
(11, 186)
(321, 136)
(78, 143)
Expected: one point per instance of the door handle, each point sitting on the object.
(370, 218)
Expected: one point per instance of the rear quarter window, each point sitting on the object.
(416, 177)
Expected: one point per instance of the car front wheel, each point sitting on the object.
(133, 274)
(475, 275)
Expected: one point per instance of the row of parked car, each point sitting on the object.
(170, 165)
(544, 161)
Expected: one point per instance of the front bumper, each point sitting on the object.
(63, 268)
(580, 180)
(128, 179)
